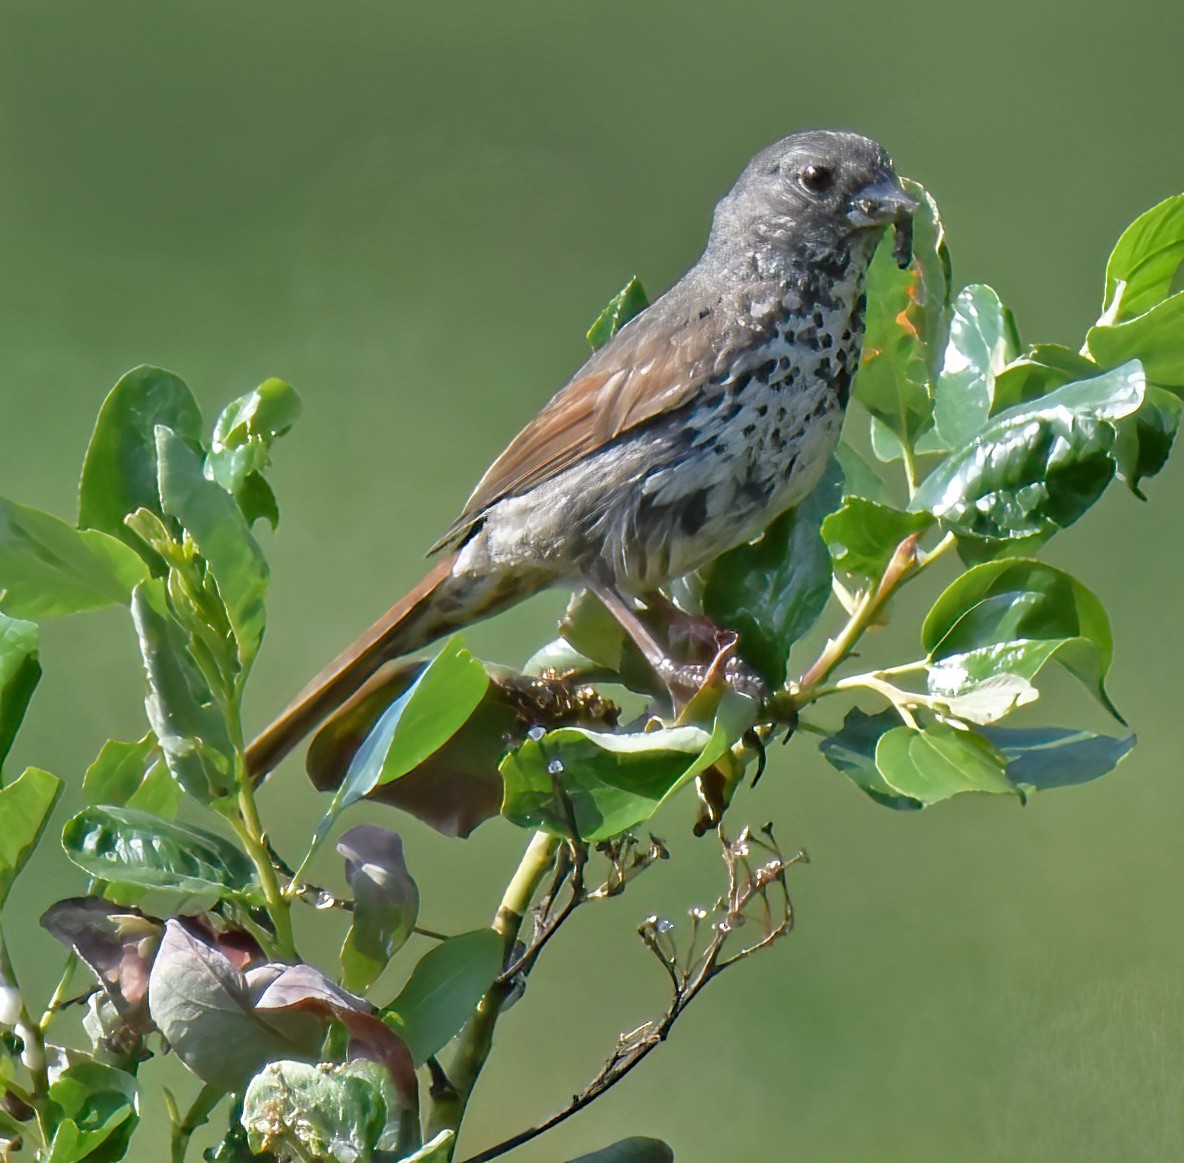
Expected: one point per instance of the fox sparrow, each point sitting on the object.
(702, 419)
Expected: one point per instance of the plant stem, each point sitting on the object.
(247, 824)
(196, 1116)
(61, 991)
(476, 1040)
(906, 562)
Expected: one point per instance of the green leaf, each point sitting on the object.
(629, 301)
(25, 806)
(938, 762)
(1038, 371)
(773, 591)
(419, 722)
(1038, 467)
(860, 477)
(91, 1112)
(1144, 261)
(612, 782)
(49, 568)
(1047, 757)
(863, 535)
(185, 716)
(634, 1150)
(905, 327)
(1156, 340)
(386, 903)
(443, 990)
(437, 1150)
(222, 536)
(20, 671)
(982, 342)
(118, 771)
(852, 750)
(325, 1112)
(241, 446)
(1011, 617)
(119, 474)
(1145, 439)
(134, 847)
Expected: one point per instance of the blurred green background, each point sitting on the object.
(412, 211)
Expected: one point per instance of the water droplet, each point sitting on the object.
(536, 733)
(323, 901)
(664, 925)
(555, 767)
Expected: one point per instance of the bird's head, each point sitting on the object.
(813, 193)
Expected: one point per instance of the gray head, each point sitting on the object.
(811, 194)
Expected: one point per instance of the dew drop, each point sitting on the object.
(536, 733)
(324, 901)
(664, 925)
(555, 767)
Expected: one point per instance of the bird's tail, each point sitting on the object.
(440, 603)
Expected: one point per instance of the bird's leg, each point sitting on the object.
(683, 680)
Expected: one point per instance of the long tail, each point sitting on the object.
(439, 604)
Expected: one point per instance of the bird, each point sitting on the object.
(706, 416)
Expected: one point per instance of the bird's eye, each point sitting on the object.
(817, 179)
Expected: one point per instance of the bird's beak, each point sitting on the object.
(881, 202)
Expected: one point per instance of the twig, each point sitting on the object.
(745, 884)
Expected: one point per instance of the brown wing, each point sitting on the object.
(651, 366)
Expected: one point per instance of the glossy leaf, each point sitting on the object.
(634, 1150)
(1038, 371)
(133, 847)
(612, 782)
(1012, 617)
(982, 342)
(185, 716)
(773, 591)
(863, 535)
(25, 807)
(455, 788)
(20, 671)
(1156, 340)
(938, 762)
(443, 990)
(386, 902)
(91, 1112)
(220, 532)
(852, 750)
(629, 301)
(119, 474)
(432, 709)
(241, 446)
(1145, 439)
(1144, 261)
(1038, 467)
(905, 327)
(302, 1111)
(48, 568)
(1047, 757)
(118, 770)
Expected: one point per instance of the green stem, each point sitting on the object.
(476, 1039)
(907, 561)
(910, 467)
(250, 831)
(60, 993)
(196, 1116)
